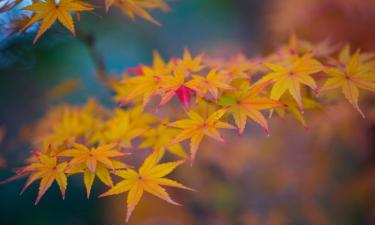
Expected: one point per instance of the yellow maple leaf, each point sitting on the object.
(290, 76)
(196, 127)
(345, 56)
(298, 47)
(354, 76)
(163, 79)
(149, 178)
(240, 67)
(63, 89)
(66, 123)
(172, 84)
(141, 8)
(308, 103)
(63, 124)
(49, 11)
(123, 127)
(159, 66)
(157, 138)
(212, 83)
(93, 162)
(144, 86)
(46, 169)
(246, 103)
(189, 63)
(292, 49)
(175, 83)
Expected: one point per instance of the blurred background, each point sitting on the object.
(321, 176)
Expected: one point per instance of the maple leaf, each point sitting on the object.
(123, 127)
(159, 66)
(164, 79)
(308, 103)
(157, 138)
(211, 83)
(354, 76)
(49, 11)
(46, 169)
(290, 77)
(196, 127)
(66, 123)
(141, 8)
(240, 67)
(190, 64)
(94, 161)
(245, 103)
(345, 56)
(297, 47)
(149, 178)
(62, 89)
(62, 124)
(175, 85)
(292, 49)
(145, 86)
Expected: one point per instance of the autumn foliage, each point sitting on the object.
(209, 96)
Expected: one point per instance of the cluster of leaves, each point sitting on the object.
(50, 11)
(285, 81)
(213, 94)
(91, 140)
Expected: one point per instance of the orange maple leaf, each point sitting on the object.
(49, 11)
(175, 85)
(212, 83)
(189, 63)
(141, 8)
(149, 178)
(91, 162)
(196, 127)
(245, 103)
(290, 77)
(47, 169)
(354, 75)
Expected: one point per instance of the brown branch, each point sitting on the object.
(89, 41)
